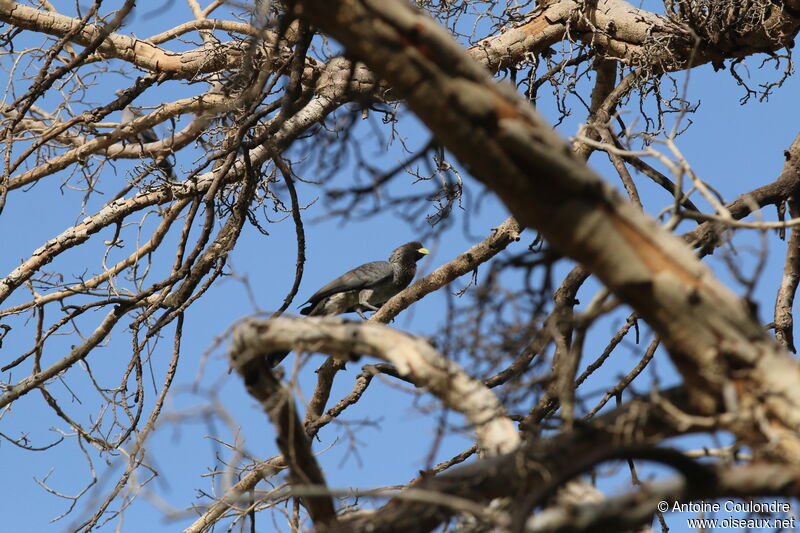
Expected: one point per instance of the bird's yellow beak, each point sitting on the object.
(423, 251)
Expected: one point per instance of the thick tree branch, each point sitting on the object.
(279, 405)
(784, 300)
(636, 508)
(535, 464)
(142, 53)
(412, 356)
(638, 37)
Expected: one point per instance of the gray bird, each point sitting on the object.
(366, 287)
(145, 136)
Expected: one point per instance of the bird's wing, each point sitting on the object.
(361, 277)
(147, 135)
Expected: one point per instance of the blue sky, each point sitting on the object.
(734, 147)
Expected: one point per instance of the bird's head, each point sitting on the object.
(409, 251)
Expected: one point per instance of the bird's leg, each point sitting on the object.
(363, 303)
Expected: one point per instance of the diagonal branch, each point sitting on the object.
(707, 235)
(279, 405)
(469, 261)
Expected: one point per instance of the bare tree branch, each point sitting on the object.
(411, 356)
